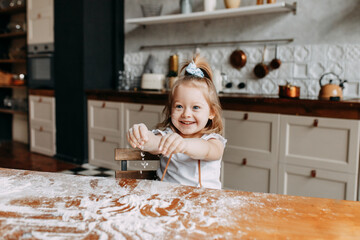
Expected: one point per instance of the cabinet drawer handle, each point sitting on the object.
(41, 129)
(104, 139)
(40, 100)
(39, 15)
(316, 123)
(141, 108)
(103, 105)
(244, 161)
(313, 173)
(246, 116)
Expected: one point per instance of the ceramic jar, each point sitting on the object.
(232, 3)
(209, 5)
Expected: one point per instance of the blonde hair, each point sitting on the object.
(206, 85)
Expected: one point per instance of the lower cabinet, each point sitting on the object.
(295, 155)
(319, 157)
(310, 182)
(108, 123)
(42, 124)
(250, 161)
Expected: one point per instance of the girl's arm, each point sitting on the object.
(140, 137)
(195, 148)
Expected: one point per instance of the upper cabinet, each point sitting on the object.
(40, 18)
(221, 13)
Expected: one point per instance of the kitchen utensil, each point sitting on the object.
(261, 69)
(289, 91)
(232, 3)
(238, 59)
(331, 91)
(275, 63)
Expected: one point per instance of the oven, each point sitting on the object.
(41, 66)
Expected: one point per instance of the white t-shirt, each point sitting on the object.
(184, 170)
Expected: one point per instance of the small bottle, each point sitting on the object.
(185, 6)
(173, 70)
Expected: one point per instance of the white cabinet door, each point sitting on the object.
(148, 114)
(312, 182)
(107, 126)
(42, 125)
(250, 160)
(42, 110)
(326, 143)
(105, 130)
(42, 139)
(105, 117)
(40, 20)
(102, 150)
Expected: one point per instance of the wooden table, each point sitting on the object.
(38, 205)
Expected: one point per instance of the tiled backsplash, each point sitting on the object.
(302, 65)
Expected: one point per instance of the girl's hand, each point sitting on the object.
(138, 135)
(172, 143)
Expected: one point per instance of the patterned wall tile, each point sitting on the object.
(316, 69)
(301, 65)
(318, 53)
(336, 52)
(353, 52)
(351, 89)
(300, 70)
(269, 87)
(336, 67)
(313, 88)
(352, 70)
(286, 53)
(302, 54)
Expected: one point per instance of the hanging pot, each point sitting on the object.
(261, 69)
(238, 59)
(275, 63)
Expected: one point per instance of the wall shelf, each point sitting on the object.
(12, 60)
(13, 35)
(11, 111)
(13, 10)
(13, 86)
(222, 13)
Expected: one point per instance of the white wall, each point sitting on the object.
(326, 37)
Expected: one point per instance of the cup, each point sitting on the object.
(209, 5)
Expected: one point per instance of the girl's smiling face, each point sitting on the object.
(190, 111)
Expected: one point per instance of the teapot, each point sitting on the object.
(331, 91)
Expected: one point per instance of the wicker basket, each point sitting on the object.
(5, 78)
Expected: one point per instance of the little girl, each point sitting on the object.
(192, 130)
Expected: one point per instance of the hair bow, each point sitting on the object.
(193, 70)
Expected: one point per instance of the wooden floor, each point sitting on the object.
(17, 156)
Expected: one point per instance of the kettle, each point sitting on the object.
(331, 91)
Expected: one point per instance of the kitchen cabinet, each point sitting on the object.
(319, 157)
(296, 155)
(42, 124)
(107, 125)
(250, 161)
(13, 92)
(40, 18)
(221, 13)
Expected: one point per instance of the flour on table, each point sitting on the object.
(59, 206)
